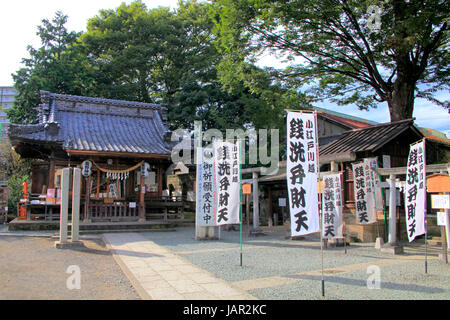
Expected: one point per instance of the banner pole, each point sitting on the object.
(199, 146)
(426, 253)
(425, 202)
(341, 177)
(320, 200)
(240, 206)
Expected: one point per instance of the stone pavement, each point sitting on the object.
(159, 274)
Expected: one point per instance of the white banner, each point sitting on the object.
(206, 188)
(372, 163)
(227, 166)
(364, 199)
(415, 191)
(332, 220)
(302, 173)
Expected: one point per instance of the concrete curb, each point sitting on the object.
(134, 282)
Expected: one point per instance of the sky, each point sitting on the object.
(19, 20)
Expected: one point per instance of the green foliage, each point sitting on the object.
(57, 66)
(16, 171)
(158, 56)
(171, 57)
(15, 186)
(333, 51)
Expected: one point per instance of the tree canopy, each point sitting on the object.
(334, 51)
(56, 67)
(150, 55)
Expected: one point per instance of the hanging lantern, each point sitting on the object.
(86, 168)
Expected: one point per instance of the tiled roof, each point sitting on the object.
(435, 136)
(351, 122)
(95, 124)
(368, 139)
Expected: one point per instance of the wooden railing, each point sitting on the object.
(167, 207)
(113, 211)
(155, 208)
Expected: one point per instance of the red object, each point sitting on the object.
(25, 190)
(22, 210)
(22, 213)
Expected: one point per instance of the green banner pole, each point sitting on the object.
(240, 206)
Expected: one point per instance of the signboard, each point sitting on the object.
(386, 161)
(332, 207)
(441, 218)
(112, 190)
(86, 168)
(246, 188)
(364, 199)
(144, 169)
(206, 188)
(227, 175)
(301, 174)
(370, 164)
(282, 202)
(415, 191)
(440, 201)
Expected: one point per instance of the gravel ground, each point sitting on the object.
(32, 268)
(272, 255)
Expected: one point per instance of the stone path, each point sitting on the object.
(159, 274)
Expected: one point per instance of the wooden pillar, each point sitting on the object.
(98, 184)
(269, 192)
(86, 200)
(255, 201)
(160, 181)
(51, 173)
(141, 200)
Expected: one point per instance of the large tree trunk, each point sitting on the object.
(401, 102)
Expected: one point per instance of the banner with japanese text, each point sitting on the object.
(206, 188)
(364, 196)
(302, 172)
(332, 222)
(372, 163)
(228, 180)
(415, 191)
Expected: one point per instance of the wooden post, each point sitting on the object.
(255, 194)
(86, 200)
(247, 210)
(444, 245)
(344, 235)
(269, 195)
(51, 174)
(160, 181)
(98, 184)
(141, 200)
